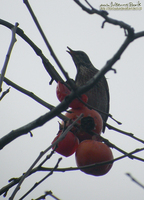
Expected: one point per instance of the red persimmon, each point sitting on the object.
(62, 91)
(91, 152)
(81, 132)
(68, 145)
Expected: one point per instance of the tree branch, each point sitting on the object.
(48, 66)
(47, 193)
(33, 96)
(41, 155)
(134, 180)
(40, 168)
(124, 132)
(13, 40)
(4, 93)
(47, 42)
(38, 183)
(104, 14)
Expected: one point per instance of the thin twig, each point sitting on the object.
(95, 164)
(47, 105)
(99, 111)
(48, 66)
(124, 132)
(47, 193)
(120, 150)
(13, 40)
(33, 96)
(47, 43)
(38, 183)
(16, 180)
(4, 93)
(104, 14)
(134, 180)
(40, 156)
(37, 122)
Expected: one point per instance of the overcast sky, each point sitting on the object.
(65, 24)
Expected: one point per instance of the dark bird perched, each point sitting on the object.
(98, 96)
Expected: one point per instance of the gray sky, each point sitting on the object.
(65, 24)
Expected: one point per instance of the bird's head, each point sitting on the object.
(80, 58)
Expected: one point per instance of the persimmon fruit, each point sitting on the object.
(68, 145)
(91, 152)
(62, 91)
(81, 132)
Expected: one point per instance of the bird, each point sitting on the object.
(98, 95)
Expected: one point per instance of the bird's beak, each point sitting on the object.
(70, 51)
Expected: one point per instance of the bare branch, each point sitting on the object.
(121, 150)
(14, 181)
(40, 156)
(48, 66)
(104, 14)
(47, 43)
(96, 164)
(37, 122)
(33, 96)
(47, 193)
(13, 40)
(125, 133)
(40, 168)
(4, 93)
(38, 183)
(134, 180)
(139, 34)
